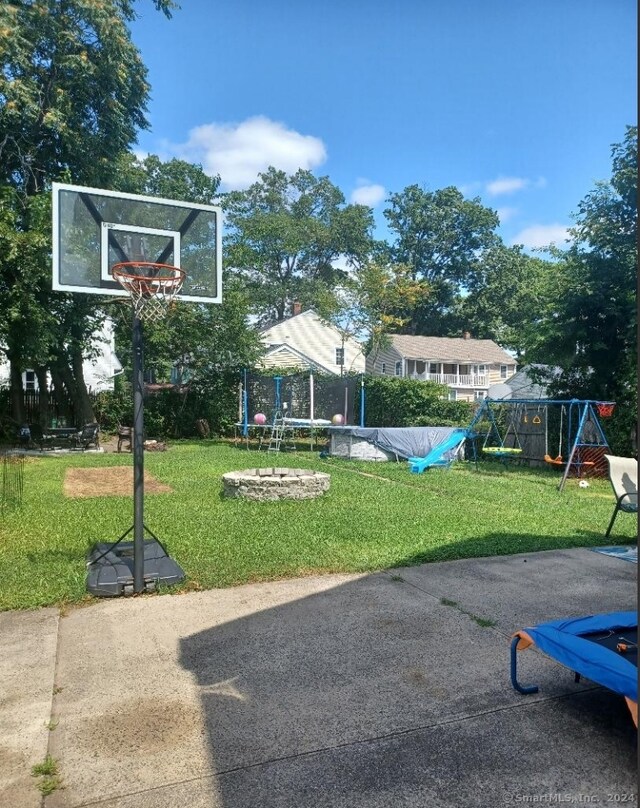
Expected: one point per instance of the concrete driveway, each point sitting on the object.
(390, 689)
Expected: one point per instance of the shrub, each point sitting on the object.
(397, 402)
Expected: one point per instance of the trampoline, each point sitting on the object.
(603, 648)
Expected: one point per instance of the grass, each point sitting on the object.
(375, 516)
(47, 772)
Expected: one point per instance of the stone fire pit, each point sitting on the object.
(275, 483)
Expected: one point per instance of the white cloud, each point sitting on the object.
(238, 152)
(509, 185)
(368, 194)
(541, 235)
(504, 214)
(506, 185)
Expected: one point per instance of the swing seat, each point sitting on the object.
(501, 452)
(554, 461)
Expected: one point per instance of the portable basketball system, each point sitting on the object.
(585, 441)
(154, 251)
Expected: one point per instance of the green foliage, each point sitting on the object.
(49, 766)
(173, 412)
(509, 296)
(392, 401)
(591, 332)
(285, 232)
(442, 237)
(73, 94)
(48, 774)
(170, 179)
(371, 300)
(74, 90)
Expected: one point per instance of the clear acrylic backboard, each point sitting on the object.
(94, 229)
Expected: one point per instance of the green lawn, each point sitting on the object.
(376, 515)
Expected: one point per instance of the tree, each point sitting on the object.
(284, 236)
(73, 89)
(73, 94)
(592, 331)
(442, 237)
(508, 298)
(367, 305)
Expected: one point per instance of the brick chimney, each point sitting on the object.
(466, 335)
(297, 307)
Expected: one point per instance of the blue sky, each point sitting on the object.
(514, 101)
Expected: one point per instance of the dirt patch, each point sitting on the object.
(115, 481)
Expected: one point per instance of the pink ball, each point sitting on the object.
(337, 420)
(260, 418)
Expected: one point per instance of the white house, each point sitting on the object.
(306, 341)
(99, 373)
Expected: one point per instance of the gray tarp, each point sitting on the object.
(410, 441)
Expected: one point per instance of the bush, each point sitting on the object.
(173, 413)
(397, 402)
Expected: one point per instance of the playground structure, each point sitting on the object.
(275, 407)
(525, 429)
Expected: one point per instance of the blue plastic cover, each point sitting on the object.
(564, 641)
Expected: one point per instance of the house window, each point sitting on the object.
(482, 370)
(399, 368)
(480, 395)
(340, 356)
(504, 370)
(453, 395)
(384, 368)
(30, 380)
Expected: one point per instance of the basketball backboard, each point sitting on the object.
(94, 229)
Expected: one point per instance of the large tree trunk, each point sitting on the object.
(44, 415)
(16, 392)
(61, 395)
(64, 388)
(82, 401)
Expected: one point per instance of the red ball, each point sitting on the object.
(260, 418)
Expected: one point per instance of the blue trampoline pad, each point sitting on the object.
(602, 648)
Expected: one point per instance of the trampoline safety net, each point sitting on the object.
(292, 394)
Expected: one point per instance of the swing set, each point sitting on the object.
(523, 428)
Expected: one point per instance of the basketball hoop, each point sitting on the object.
(605, 410)
(152, 286)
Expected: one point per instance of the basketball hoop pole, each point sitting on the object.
(138, 456)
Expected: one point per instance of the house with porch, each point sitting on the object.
(467, 366)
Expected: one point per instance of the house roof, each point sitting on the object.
(450, 349)
(522, 384)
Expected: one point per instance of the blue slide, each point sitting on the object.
(436, 455)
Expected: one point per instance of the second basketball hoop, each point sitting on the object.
(151, 286)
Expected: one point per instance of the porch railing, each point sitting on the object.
(453, 380)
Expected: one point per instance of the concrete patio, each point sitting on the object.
(388, 689)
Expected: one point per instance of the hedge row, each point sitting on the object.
(174, 412)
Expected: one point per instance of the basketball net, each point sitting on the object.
(152, 287)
